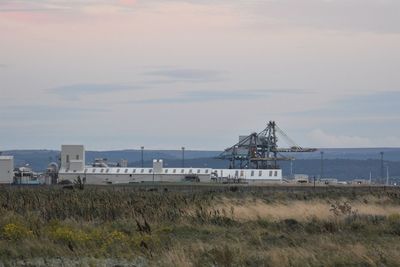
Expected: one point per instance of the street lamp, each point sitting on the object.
(322, 165)
(382, 168)
(142, 148)
(291, 168)
(387, 174)
(183, 157)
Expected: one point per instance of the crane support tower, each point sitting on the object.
(260, 150)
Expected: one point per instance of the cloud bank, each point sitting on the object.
(121, 74)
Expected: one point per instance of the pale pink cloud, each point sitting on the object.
(28, 11)
(55, 11)
(24, 16)
(127, 2)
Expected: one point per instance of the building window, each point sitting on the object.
(166, 170)
(174, 171)
(134, 170)
(182, 171)
(206, 170)
(77, 157)
(150, 171)
(260, 173)
(270, 173)
(74, 170)
(67, 158)
(252, 173)
(85, 170)
(94, 170)
(198, 171)
(118, 170)
(108, 170)
(190, 171)
(276, 173)
(142, 171)
(126, 170)
(102, 170)
(236, 173)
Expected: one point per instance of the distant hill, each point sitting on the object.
(342, 163)
(392, 154)
(39, 159)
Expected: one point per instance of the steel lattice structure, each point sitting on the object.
(260, 150)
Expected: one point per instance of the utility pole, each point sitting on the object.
(142, 148)
(322, 165)
(291, 168)
(183, 157)
(235, 148)
(294, 167)
(387, 174)
(382, 168)
(314, 182)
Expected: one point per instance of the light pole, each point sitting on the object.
(314, 182)
(183, 157)
(142, 148)
(382, 168)
(291, 168)
(234, 157)
(322, 165)
(387, 174)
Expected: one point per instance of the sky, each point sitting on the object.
(120, 74)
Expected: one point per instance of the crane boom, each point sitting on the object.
(260, 150)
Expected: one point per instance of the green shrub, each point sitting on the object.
(394, 223)
(220, 256)
(16, 231)
(68, 235)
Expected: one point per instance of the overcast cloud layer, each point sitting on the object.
(165, 74)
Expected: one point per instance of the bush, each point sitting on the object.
(394, 223)
(16, 231)
(68, 235)
(220, 256)
(291, 224)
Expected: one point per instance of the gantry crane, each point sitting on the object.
(260, 150)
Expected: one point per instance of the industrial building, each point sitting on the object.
(254, 159)
(6, 169)
(73, 166)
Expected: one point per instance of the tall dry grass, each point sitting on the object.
(250, 209)
(224, 226)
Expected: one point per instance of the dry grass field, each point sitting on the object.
(184, 225)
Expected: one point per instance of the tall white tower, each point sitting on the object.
(73, 157)
(6, 169)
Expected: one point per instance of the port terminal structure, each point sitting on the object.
(257, 155)
(73, 167)
(252, 160)
(260, 150)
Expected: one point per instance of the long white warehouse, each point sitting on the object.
(73, 166)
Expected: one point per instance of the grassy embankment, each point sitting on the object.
(230, 226)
